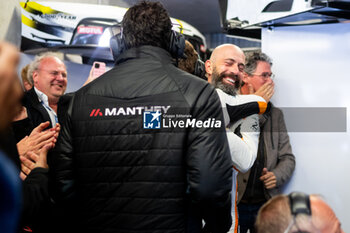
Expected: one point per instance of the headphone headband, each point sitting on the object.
(117, 43)
(299, 203)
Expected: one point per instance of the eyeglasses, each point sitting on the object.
(265, 75)
(55, 73)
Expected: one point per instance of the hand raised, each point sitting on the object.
(266, 91)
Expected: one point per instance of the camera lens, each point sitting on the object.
(97, 65)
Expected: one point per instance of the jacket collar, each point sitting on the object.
(145, 51)
(32, 96)
(31, 99)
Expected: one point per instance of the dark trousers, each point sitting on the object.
(247, 215)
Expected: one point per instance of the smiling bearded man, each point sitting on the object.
(225, 71)
(225, 68)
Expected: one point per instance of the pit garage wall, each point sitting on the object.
(10, 18)
(311, 64)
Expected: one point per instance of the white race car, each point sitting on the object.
(83, 29)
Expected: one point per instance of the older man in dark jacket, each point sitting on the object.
(122, 176)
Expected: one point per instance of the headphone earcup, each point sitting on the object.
(177, 45)
(117, 45)
(199, 69)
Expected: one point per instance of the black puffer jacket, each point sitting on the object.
(123, 178)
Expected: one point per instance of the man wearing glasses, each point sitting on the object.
(49, 76)
(275, 161)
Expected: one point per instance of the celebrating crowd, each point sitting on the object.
(70, 163)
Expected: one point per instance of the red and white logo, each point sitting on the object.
(96, 112)
(90, 30)
(126, 111)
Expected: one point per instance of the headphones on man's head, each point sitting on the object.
(176, 44)
(299, 204)
(117, 44)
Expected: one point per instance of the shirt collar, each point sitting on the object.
(42, 97)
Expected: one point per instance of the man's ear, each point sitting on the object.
(35, 76)
(208, 70)
(245, 78)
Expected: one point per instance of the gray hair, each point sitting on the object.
(252, 60)
(34, 65)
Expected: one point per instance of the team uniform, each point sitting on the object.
(116, 175)
(242, 130)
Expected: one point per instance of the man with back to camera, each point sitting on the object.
(275, 161)
(225, 71)
(120, 176)
(277, 216)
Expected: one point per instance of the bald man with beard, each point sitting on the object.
(225, 72)
(225, 68)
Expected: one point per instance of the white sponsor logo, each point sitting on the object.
(191, 123)
(90, 30)
(134, 110)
